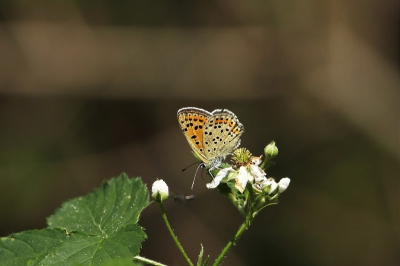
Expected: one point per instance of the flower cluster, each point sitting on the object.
(246, 169)
(245, 180)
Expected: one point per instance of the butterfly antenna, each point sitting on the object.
(189, 166)
(194, 178)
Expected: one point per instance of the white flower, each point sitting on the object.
(160, 190)
(283, 184)
(217, 179)
(269, 186)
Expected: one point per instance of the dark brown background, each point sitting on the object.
(90, 89)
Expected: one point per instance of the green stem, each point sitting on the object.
(242, 228)
(164, 216)
(265, 163)
(148, 261)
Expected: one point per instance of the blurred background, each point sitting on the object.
(90, 89)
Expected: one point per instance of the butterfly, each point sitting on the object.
(212, 136)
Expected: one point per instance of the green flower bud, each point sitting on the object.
(271, 151)
(159, 191)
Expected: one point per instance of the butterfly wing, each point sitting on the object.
(192, 122)
(221, 134)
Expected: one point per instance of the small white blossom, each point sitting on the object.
(217, 179)
(269, 186)
(283, 184)
(160, 190)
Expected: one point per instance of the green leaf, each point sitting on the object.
(85, 231)
(104, 211)
(206, 261)
(200, 255)
(29, 247)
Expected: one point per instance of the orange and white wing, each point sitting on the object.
(192, 121)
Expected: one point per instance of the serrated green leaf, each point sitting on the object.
(29, 247)
(85, 231)
(104, 211)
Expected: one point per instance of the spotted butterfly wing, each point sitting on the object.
(222, 134)
(192, 121)
(212, 136)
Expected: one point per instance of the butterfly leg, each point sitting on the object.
(209, 171)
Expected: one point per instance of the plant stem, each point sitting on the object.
(242, 228)
(164, 216)
(148, 261)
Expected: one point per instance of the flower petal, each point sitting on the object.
(159, 190)
(283, 184)
(217, 179)
(241, 179)
(257, 173)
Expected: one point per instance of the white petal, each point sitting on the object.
(242, 178)
(283, 184)
(271, 184)
(257, 173)
(160, 186)
(217, 179)
(159, 191)
(254, 160)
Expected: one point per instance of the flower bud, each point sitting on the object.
(269, 186)
(160, 191)
(271, 151)
(283, 184)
